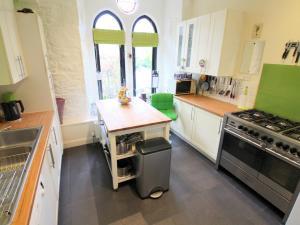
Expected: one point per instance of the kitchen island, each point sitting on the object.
(116, 120)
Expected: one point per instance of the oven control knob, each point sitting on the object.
(298, 153)
(245, 129)
(240, 127)
(286, 147)
(256, 134)
(270, 140)
(279, 144)
(251, 132)
(264, 138)
(293, 150)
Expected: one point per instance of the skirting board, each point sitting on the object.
(195, 147)
(78, 134)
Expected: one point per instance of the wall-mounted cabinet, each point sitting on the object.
(186, 43)
(215, 41)
(12, 65)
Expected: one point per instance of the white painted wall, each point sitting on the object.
(280, 18)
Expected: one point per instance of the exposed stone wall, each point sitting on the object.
(61, 28)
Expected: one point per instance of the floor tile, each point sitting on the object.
(198, 194)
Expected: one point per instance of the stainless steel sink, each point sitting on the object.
(16, 151)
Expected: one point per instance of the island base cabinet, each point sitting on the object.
(207, 132)
(198, 127)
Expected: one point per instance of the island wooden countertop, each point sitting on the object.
(136, 114)
(211, 105)
(30, 120)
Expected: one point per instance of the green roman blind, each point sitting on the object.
(103, 36)
(140, 39)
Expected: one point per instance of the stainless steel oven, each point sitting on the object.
(246, 157)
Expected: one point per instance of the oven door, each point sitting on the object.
(242, 151)
(279, 175)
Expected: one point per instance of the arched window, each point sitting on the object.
(144, 58)
(110, 59)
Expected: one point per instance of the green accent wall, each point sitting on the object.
(279, 91)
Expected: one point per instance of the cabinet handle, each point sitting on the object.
(220, 126)
(52, 156)
(22, 67)
(192, 114)
(54, 135)
(42, 185)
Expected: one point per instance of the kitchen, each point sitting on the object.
(236, 55)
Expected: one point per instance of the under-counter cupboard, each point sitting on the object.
(45, 207)
(12, 63)
(211, 40)
(198, 125)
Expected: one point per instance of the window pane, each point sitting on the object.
(144, 25)
(107, 21)
(143, 57)
(127, 6)
(110, 70)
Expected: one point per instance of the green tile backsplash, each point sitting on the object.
(279, 91)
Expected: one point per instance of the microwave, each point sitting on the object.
(185, 87)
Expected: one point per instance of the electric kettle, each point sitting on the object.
(11, 110)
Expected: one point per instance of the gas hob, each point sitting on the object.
(277, 135)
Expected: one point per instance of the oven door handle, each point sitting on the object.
(286, 159)
(260, 145)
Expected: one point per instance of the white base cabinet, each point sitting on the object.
(45, 208)
(199, 128)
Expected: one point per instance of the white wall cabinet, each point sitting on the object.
(216, 40)
(12, 65)
(45, 208)
(199, 128)
(187, 41)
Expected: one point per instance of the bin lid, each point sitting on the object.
(153, 145)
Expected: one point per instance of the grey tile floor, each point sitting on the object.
(198, 194)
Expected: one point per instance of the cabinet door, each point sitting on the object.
(217, 30)
(202, 50)
(181, 46)
(11, 49)
(45, 208)
(49, 209)
(191, 46)
(206, 132)
(183, 124)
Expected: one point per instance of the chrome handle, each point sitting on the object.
(192, 113)
(220, 126)
(22, 66)
(282, 157)
(260, 145)
(52, 156)
(54, 133)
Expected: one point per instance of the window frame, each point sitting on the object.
(154, 53)
(97, 53)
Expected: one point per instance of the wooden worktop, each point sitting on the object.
(29, 120)
(211, 105)
(136, 114)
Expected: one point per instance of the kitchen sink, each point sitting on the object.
(17, 148)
